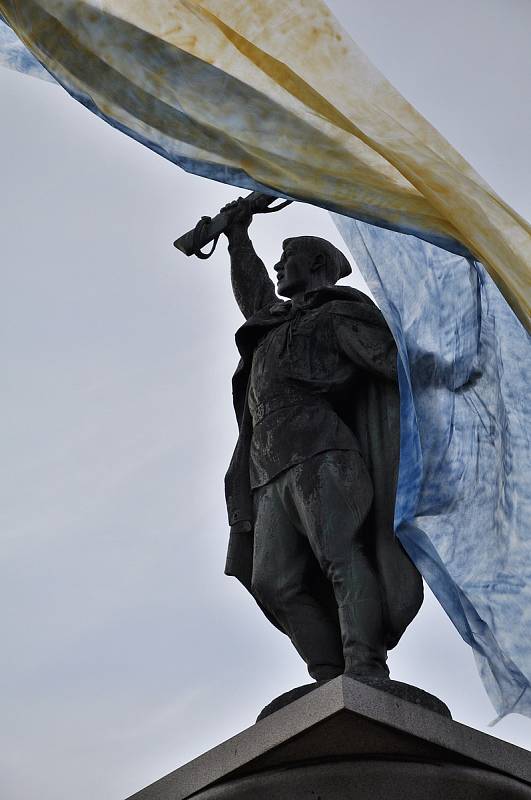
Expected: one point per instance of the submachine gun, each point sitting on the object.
(210, 229)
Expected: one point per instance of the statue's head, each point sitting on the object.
(307, 263)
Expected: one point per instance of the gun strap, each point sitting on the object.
(198, 230)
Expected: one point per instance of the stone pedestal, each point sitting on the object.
(349, 741)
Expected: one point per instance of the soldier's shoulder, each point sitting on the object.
(344, 294)
(347, 302)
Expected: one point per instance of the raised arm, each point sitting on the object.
(252, 287)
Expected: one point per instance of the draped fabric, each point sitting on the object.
(274, 95)
(464, 489)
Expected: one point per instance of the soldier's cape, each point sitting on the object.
(374, 417)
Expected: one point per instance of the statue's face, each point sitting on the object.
(294, 269)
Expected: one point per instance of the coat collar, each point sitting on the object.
(273, 315)
(317, 297)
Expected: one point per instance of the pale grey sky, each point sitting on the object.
(125, 650)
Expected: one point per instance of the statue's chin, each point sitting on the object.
(287, 290)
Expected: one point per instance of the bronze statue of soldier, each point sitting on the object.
(311, 486)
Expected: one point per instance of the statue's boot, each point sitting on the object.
(366, 655)
(363, 638)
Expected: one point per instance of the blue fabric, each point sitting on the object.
(14, 55)
(464, 490)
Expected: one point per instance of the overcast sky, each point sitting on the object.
(126, 651)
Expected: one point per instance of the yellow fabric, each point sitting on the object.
(303, 111)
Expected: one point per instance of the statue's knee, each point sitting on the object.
(273, 593)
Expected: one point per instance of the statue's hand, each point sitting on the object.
(240, 215)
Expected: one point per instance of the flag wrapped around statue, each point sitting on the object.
(274, 96)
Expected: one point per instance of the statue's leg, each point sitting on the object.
(334, 495)
(282, 561)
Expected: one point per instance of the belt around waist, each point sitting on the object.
(278, 403)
